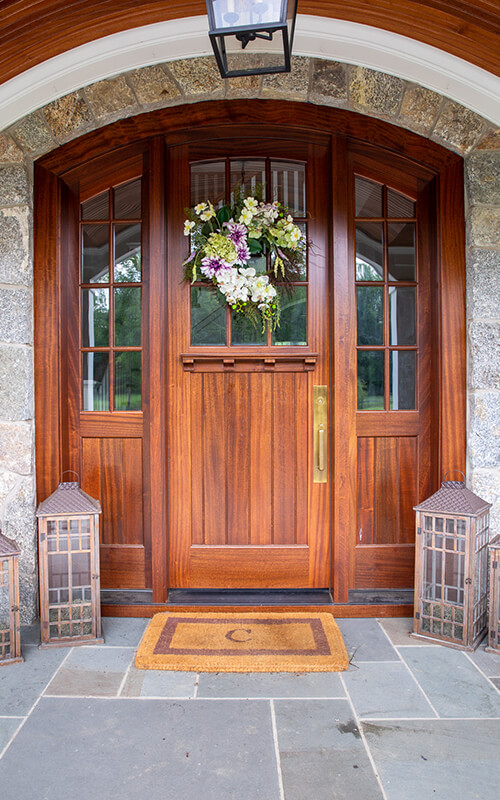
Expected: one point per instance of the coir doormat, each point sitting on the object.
(242, 642)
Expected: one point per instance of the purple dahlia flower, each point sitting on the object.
(237, 233)
(212, 266)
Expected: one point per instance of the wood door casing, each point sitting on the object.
(244, 510)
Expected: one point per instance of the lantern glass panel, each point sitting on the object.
(454, 577)
(4, 611)
(432, 574)
(231, 14)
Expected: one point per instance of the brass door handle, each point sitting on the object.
(320, 431)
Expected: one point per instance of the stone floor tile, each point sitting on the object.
(278, 684)
(386, 691)
(398, 630)
(453, 685)
(321, 752)
(365, 641)
(21, 684)
(489, 663)
(159, 683)
(94, 670)
(496, 682)
(123, 631)
(445, 759)
(136, 749)
(8, 727)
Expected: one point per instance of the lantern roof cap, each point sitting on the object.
(8, 547)
(68, 498)
(454, 498)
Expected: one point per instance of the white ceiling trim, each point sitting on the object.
(317, 37)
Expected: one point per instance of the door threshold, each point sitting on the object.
(249, 597)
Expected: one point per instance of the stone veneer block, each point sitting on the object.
(491, 141)
(9, 151)
(484, 367)
(16, 383)
(110, 97)
(8, 481)
(16, 316)
(198, 76)
(486, 484)
(484, 429)
(375, 92)
(16, 447)
(293, 85)
(328, 83)
(458, 127)
(484, 224)
(244, 86)
(15, 255)
(68, 116)
(152, 85)
(420, 108)
(19, 524)
(33, 134)
(483, 284)
(483, 177)
(14, 186)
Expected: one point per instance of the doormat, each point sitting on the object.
(243, 642)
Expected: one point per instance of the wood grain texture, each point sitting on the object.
(338, 610)
(36, 30)
(384, 567)
(249, 567)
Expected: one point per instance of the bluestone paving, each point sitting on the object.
(118, 732)
(93, 670)
(366, 641)
(159, 683)
(136, 749)
(445, 759)
(451, 682)
(285, 684)
(321, 752)
(22, 684)
(386, 690)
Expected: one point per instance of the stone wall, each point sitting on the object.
(191, 80)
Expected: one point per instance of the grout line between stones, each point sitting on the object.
(420, 687)
(276, 749)
(363, 739)
(481, 672)
(35, 704)
(124, 679)
(196, 685)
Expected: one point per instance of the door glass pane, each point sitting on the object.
(293, 322)
(95, 381)
(127, 200)
(208, 182)
(403, 380)
(402, 318)
(401, 249)
(208, 316)
(97, 207)
(128, 381)
(248, 177)
(128, 317)
(244, 332)
(398, 205)
(127, 253)
(369, 251)
(368, 198)
(288, 182)
(95, 253)
(370, 380)
(370, 314)
(95, 317)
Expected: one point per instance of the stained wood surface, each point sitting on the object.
(36, 30)
(337, 610)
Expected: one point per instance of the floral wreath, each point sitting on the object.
(223, 243)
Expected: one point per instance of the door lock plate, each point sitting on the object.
(320, 433)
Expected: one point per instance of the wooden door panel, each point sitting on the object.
(234, 567)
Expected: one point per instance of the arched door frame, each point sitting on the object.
(53, 177)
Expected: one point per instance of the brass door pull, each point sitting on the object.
(320, 429)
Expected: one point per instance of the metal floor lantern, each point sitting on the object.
(451, 567)
(494, 604)
(10, 639)
(68, 545)
(251, 37)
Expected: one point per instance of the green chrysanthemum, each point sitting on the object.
(219, 245)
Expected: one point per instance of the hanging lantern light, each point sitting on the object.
(251, 37)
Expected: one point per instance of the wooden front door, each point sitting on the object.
(246, 509)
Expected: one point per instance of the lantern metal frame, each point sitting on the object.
(247, 33)
(68, 526)
(10, 637)
(451, 598)
(493, 645)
